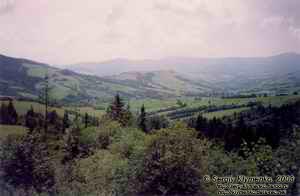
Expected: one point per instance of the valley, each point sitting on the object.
(149, 98)
(180, 78)
(69, 124)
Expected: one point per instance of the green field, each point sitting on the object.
(220, 114)
(273, 100)
(6, 130)
(90, 110)
(153, 105)
(23, 106)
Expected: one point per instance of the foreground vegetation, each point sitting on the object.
(124, 153)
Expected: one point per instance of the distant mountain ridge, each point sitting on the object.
(184, 64)
(170, 77)
(23, 78)
(232, 73)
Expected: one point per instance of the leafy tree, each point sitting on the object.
(25, 164)
(128, 142)
(156, 122)
(72, 145)
(105, 133)
(180, 103)
(173, 164)
(98, 172)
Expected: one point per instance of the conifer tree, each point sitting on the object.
(12, 114)
(30, 112)
(116, 110)
(86, 120)
(201, 123)
(27, 165)
(127, 119)
(30, 120)
(3, 113)
(72, 145)
(44, 99)
(142, 119)
(66, 121)
(53, 117)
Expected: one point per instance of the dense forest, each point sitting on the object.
(123, 153)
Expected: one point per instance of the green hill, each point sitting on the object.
(272, 74)
(23, 78)
(192, 77)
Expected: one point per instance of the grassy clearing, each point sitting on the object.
(59, 92)
(220, 114)
(279, 100)
(152, 104)
(88, 134)
(274, 100)
(155, 104)
(35, 71)
(6, 130)
(23, 106)
(91, 111)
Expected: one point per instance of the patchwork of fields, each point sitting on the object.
(166, 106)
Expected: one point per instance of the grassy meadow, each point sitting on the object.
(6, 130)
(153, 105)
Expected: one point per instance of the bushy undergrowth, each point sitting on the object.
(112, 159)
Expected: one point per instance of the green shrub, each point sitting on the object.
(25, 164)
(128, 142)
(173, 164)
(100, 137)
(95, 175)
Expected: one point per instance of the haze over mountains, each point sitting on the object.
(169, 77)
(233, 73)
(255, 65)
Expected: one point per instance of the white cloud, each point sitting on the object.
(295, 31)
(68, 31)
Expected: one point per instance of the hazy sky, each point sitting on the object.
(70, 31)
